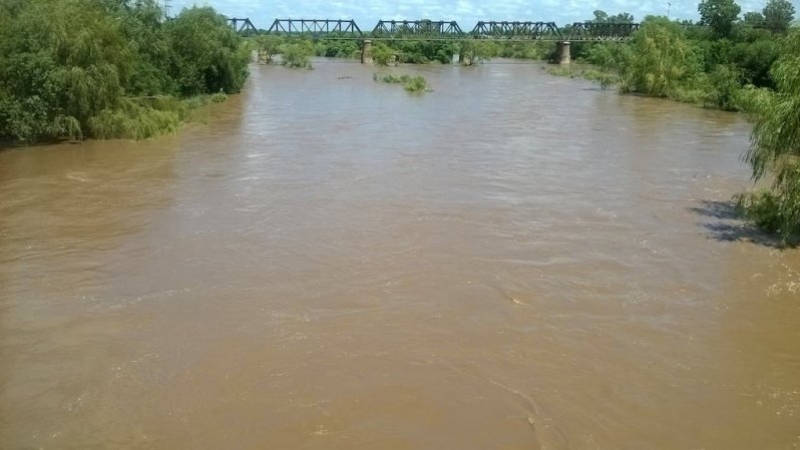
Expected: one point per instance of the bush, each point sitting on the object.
(725, 88)
(774, 146)
(86, 68)
(410, 83)
(296, 55)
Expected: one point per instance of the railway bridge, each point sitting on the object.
(428, 30)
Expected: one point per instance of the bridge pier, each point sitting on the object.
(366, 52)
(562, 52)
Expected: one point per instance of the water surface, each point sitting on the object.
(513, 261)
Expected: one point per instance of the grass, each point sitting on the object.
(144, 118)
(603, 78)
(560, 71)
(413, 84)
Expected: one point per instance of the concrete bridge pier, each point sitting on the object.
(562, 52)
(366, 52)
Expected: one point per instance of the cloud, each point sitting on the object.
(466, 12)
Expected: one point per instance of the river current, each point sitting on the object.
(512, 261)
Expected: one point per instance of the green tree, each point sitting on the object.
(720, 15)
(621, 18)
(382, 54)
(754, 19)
(600, 16)
(267, 47)
(778, 15)
(207, 54)
(775, 144)
(297, 54)
(108, 68)
(474, 51)
(661, 60)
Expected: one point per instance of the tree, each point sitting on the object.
(754, 19)
(775, 144)
(267, 47)
(108, 68)
(382, 54)
(778, 15)
(621, 18)
(297, 54)
(719, 15)
(661, 60)
(206, 52)
(600, 16)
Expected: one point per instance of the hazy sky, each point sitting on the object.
(466, 12)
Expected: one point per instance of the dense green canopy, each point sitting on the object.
(108, 68)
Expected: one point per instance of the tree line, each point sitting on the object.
(110, 68)
(748, 63)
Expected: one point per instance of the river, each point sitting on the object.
(512, 261)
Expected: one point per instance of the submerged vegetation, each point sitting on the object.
(110, 68)
(412, 84)
(297, 55)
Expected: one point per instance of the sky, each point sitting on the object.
(366, 13)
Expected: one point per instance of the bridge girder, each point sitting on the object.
(515, 30)
(441, 30)
(417, 28)
(315, 27)
(242, 26)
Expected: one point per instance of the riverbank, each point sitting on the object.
(86, 69)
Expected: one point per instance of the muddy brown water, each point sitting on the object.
(513, 261)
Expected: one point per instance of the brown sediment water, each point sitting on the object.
(512, 261)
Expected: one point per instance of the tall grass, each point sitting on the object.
(144, 118)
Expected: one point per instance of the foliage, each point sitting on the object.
(267, 47)
(778, 15)
(422, 52)
(87, 68)
(410, 83)
(725, 83)
(560, 71)
(775, 143)
(206, 52)
(753, 19)
(339, 48)
(473, 51)
(382, 55)
(297, 54)
(604, 79)
(540, 51)
(661, 62)
(601, 16)
(720, 15)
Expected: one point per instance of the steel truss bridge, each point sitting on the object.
(440, 30)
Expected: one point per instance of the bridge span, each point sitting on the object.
(428, 30)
